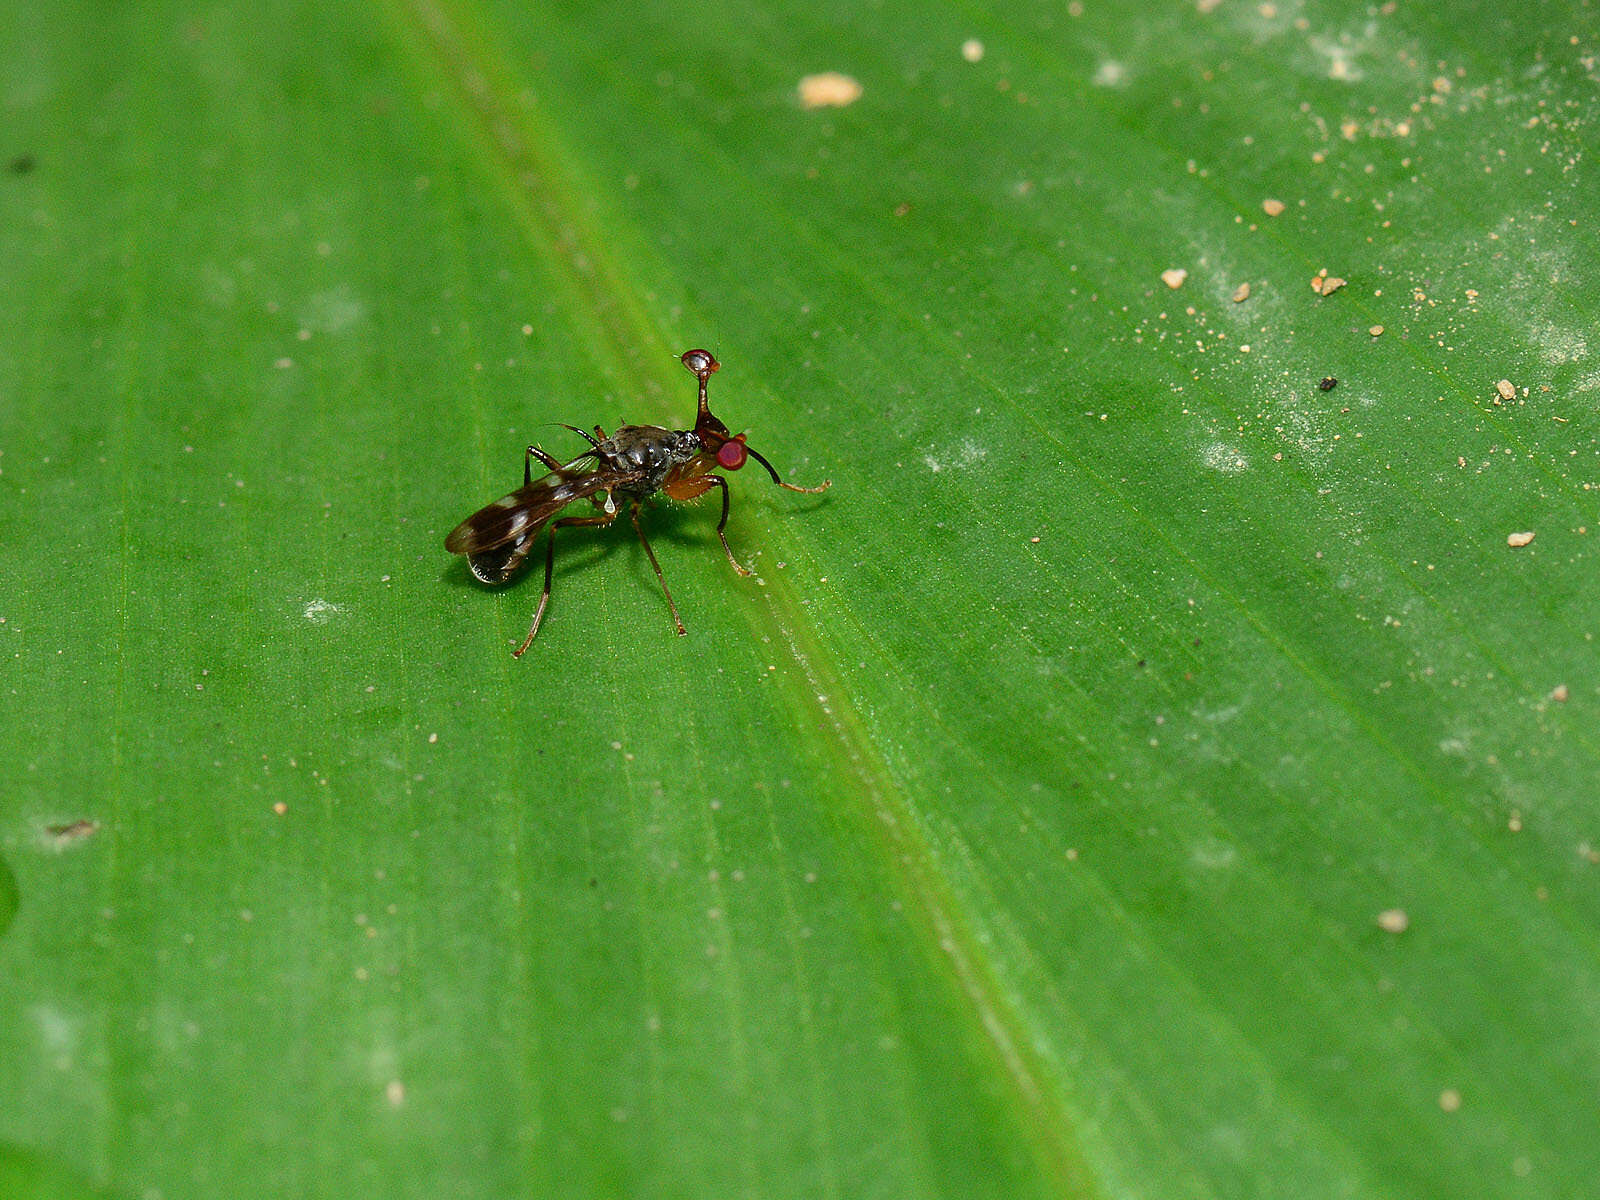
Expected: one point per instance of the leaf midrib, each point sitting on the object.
(517, 152)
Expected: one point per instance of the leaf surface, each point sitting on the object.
(1146, 771)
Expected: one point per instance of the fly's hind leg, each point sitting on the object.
(549, 568)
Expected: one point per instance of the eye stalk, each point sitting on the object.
(701, 363)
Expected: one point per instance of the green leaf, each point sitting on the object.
(8, 896)
(1143, 773)
(25, 1176)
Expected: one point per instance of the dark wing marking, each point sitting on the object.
(496, 539)
(516, 513)
(497, 566)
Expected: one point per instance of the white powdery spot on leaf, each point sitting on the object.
(58, 1035)
(331, 311)
(1212, 854)
(1339, 58)
(1558, 345)
(967, 453)
(1221, 457)
(1110, 73)
(320, 612)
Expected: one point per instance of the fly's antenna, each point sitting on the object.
(585, 436)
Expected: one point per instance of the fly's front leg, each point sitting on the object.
(549, 568)
(696, 486)
(793, 487)
(722, 483)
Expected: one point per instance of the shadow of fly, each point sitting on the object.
(622, 470)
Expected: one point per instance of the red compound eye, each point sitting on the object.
(731, 455)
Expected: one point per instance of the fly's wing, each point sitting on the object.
(496, 539)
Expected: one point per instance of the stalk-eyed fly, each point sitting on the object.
(626, 468)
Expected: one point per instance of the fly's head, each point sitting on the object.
(728, 449)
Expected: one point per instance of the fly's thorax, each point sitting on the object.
(648, 448)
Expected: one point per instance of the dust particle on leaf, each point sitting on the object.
(1110, 73)
(1241, 293)
(1173, 277)
(1394, 920)
(1324, 284)
(972, 50)
(830, 89)
(1507, 389)
(73, 831)
(1515, 540)
(1376, 331)
(1272, 207)
(1328, 384)
(1560, 693)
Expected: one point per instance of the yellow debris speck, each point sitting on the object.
(830, 89)
(1394, 920)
